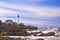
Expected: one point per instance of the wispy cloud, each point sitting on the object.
(36, 15)
(41, 11)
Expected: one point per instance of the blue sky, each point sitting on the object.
(32, 12)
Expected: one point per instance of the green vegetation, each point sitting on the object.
(10, 28)
(2, 38)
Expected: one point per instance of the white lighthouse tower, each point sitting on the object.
(18, 18)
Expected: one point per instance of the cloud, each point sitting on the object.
(33, 12)
(33, 23)
(38, 11)
(6, 11)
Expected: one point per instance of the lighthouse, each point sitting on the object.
(18, 18)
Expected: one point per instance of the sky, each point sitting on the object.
(32, 12)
